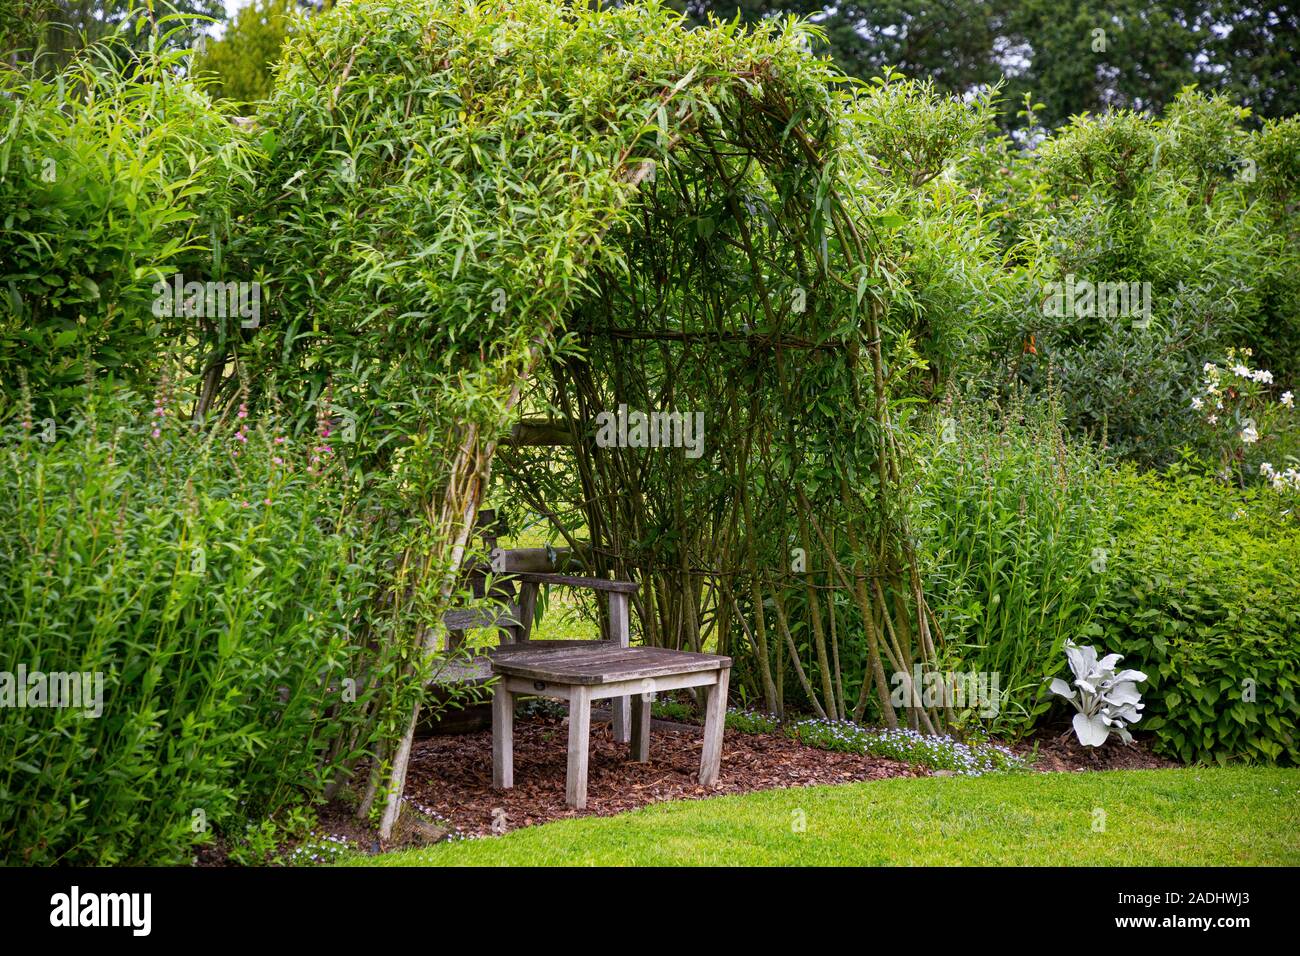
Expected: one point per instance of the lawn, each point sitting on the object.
(1197, 816)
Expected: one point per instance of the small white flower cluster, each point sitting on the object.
(1281, 480)
(1214, 375)
(318, 850)
(908, 746)
(453, 832)
(1216, 389)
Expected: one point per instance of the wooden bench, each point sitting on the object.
(599, 672)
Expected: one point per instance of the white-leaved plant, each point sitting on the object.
(1107, 700)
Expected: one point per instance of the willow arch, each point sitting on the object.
(468, 209)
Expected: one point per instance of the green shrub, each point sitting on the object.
(1199, 214)
(1205, 598)
(1012, 520)
(1248, 428)
(218, 585)
(114, 175)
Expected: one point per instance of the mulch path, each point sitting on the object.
(452, 775)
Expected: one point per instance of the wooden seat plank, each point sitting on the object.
(544, 647)
(472, 618)
(569, 580)
(579, 665)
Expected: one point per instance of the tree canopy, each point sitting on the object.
(1070, 57)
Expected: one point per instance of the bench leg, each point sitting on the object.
(621, 708)
(575, 785)
(641, 727)
(620, 634)
(503, 737)
(715, 720)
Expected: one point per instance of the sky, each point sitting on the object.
(231, 7)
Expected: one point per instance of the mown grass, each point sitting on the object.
(1213, 816)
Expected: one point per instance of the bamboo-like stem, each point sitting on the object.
(784, 624)
(815, 615)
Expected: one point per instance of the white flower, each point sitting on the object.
(1288, 399)
(1249, 435)
(1241, 371)
(1197, 403)
(1266, 469)
(1287, 479)
(1264, 376)
(1238, 515)
(1209, 368)
(1213, 419)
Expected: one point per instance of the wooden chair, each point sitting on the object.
(512, 613)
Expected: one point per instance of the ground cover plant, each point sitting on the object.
(1205, 602)
(931, 751)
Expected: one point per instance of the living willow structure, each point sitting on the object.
(473, 212)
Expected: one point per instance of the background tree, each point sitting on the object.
(950, 42)
(50, 33)
(1145, 52)
(241, 62)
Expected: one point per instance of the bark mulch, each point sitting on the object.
(1056, 749)
(452, 775)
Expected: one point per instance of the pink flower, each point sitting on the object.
(157, 432)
